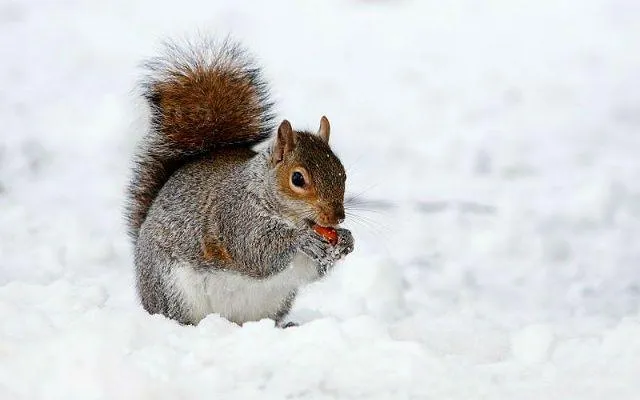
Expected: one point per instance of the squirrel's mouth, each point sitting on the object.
(311, 222)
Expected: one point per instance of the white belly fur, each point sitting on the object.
(237, 297)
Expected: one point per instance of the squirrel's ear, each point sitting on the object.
(324, 129)
(284, 143)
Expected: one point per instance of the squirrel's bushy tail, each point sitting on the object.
(202, 96)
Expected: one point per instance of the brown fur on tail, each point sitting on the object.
(202, 96)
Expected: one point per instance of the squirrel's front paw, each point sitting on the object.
(345, 243)
(323, 252)
(319, 250)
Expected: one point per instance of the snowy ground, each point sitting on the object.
(497, 142)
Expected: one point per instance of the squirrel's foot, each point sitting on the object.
(345, 243)
(323, 253)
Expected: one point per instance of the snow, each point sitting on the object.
(495, 142)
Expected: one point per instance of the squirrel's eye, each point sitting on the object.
(297, 179)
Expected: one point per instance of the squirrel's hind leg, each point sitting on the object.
(284, 311)
(154, 286)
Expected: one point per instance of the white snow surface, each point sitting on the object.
(497, 144)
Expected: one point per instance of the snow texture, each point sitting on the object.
(497, 146)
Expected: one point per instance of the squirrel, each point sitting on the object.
(218, 226)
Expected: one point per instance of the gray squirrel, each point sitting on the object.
(217, 226)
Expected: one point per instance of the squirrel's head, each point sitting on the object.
(310, 177)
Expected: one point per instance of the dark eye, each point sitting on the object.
(297, 179)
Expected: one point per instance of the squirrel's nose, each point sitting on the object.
(331, 214)
(339, 212)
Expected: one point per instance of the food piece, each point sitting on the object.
(328, 233)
